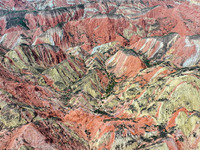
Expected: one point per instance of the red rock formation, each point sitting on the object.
(96, 74)
(125, 64)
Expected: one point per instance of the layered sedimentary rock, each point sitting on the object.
(99, 75)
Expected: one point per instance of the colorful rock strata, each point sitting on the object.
(99, 75)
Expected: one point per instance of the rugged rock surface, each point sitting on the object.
(99, 75)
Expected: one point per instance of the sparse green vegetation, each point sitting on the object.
(110, 86)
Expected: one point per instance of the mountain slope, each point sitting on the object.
(99, 75)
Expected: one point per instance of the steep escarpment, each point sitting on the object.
(99, 75)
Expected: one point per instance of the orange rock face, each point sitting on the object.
(99, 75)
(126, 64)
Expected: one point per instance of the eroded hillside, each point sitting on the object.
(99, 75)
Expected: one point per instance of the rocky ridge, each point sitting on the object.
(99, 75)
